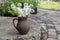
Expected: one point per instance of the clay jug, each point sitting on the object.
(22, 25)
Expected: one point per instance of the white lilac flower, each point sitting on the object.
(25, 4)
(19, 4)
(26, 11)
(19, 11)
(25, 7)
(23, 12)
(32, 10)
(24, 15)
(13, 7)
(19, 15)
(31, 5)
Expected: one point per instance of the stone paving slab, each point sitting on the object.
(50, 17)
(53, 17)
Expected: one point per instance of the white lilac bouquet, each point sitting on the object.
(23, 12)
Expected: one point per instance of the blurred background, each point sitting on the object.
(45, 4)
(49, 4)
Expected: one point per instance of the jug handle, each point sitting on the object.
(14, 23)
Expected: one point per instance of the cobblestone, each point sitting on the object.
(51, 18)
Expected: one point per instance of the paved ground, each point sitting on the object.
(7, 30)
(50, 22)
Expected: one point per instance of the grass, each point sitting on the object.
(49, 5)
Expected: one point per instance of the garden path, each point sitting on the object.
(50, 21)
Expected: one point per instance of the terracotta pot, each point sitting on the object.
(22, 25)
